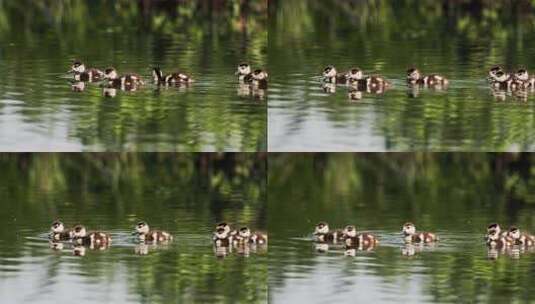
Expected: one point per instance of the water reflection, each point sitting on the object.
(387, 37)
(185, 195)
(454, 195)
(209, 116)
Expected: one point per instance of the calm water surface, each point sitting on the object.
(378, 194)
(387, 37)
(111, 194)
(40, 112)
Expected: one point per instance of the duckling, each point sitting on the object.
(78, 86)
(322, 234)
(414, 77)
(492, 73)
(78, 250)
(260, 79)
(147, 235)
(244, 73)
(55, 245)
(354, 239)
(124, 82)
(496, 240)
(520, 238)
(259, 238)
(411, 236)
(231, 232)
(221, 238)
(83, 74)
(330, 75)
(58, 232)
(521, 80)
(242, 237)
(81, 237)
(502, 81)
(355, 79)
(174, 78)
(354, 94)
(376, 83)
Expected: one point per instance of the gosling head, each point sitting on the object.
(500, 76)
(522, 75)
(77, 67)
(408, 229)
(350, 231)
(57, 227)
(244, 69)
(111, 73)
(142, 228)
(514, 232)
(221, 233)
(260, 75)
(413, 74)
(494, 70)
(244, 232)
(329, 72)
(354, 74)
(78, 231)
(494, 227)
(224, 226)
(321, 228)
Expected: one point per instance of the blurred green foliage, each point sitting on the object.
(459, 39)
(454, 194)
(207, 39)
(432, 187)
(185, 193)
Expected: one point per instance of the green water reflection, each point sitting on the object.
(459, 39)
(206, 39)
(184, 194)
(454, 195)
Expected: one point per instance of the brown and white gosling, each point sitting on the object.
(411, 236)
(126, 81)
(355, 239)
(414, 77)
(519, 238)
(93, 239)
(324, 235)
(58, 232)
(145, 234)
(176, 78)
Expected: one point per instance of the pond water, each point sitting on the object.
(455, 196)
(39, 111)
(388, 37)
(185, 195)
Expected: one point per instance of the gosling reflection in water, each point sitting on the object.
(329, 88)
(412, 249)
(144, 248)
(56, 245)
(321, 247)
(415, 91)
(109, 92)
(513, 252)
(243, 241)
(246, 90)
(222, 251)
(354, 95)
(80, 250)
(521, 94)
(78, 86)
